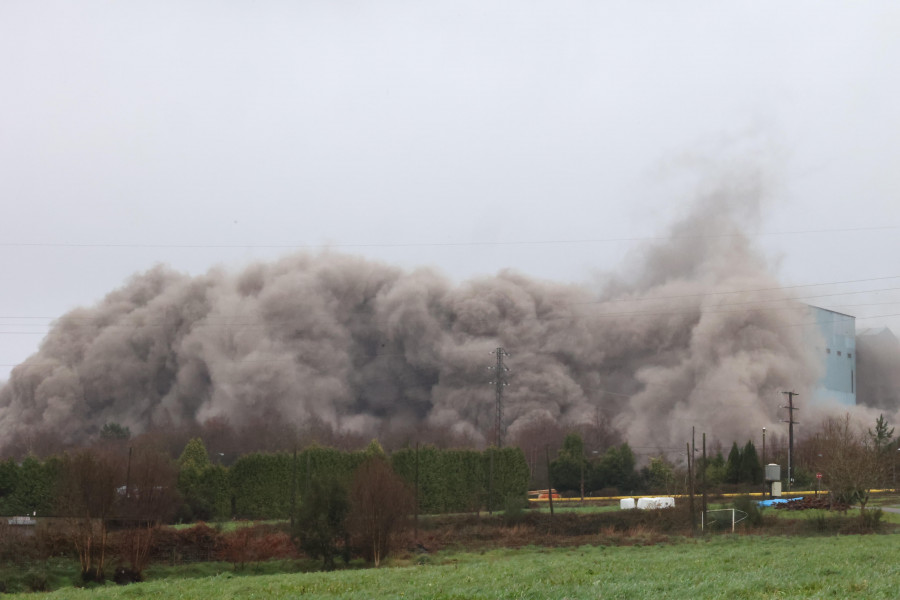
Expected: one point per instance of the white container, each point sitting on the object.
(666, 502)
(626, 503)
(655, 503)
(646, 503)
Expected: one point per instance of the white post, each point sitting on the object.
(732, 520)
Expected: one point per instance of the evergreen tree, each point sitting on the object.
(203, 486)
(321, 519)
(573, 447)
(659, 474)
(194, 456)
(882, 437)
(375, 450)
(715, 469)
(617, 468)
(733, 465)
(882, 440)
(566, 470)
(114, 431)
(751, 469)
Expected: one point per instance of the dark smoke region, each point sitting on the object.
(677, 338)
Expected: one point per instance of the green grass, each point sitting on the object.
(575, 508)
(52, 574)
(228, 526)
(721, 567)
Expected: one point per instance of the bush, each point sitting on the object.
(124, 576)
(514, 510)
(752, 508)
(178, 546)
(320, 526)
(37, 580)
(870, 519)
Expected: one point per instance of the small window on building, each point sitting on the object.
(839, 352)
(849, 355)
(827, 350)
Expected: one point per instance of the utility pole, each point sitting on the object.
(765, 483)
(582, 474)
(499, 383)
(128, 475)
(549, 484)
(703, 481)
(417, 494)
(691, 490)
(791, 422)
(293, 489)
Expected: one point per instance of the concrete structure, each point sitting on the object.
(834, 338)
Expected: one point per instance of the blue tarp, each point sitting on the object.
(775, 501)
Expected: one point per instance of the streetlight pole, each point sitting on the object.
(764, 446)
(765, 483)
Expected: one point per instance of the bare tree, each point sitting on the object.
(380, 505)
(850, 464)
(87, 498)
(149, 498)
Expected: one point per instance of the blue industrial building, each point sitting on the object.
(834, 337)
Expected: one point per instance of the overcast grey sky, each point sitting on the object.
(548, 137)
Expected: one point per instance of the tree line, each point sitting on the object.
(331, 497)
(851, 460)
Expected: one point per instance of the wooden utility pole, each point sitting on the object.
(791, 422)
(703, 481)
(128, 475)
(549, 483)
(293, 489)
(417, 494)
(691, 490)
(582, 474)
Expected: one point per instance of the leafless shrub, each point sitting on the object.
(87, 498)
(380, 506)
(850, 465)
(149, 498)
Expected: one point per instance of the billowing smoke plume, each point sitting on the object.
(677, 339)
(878, 356)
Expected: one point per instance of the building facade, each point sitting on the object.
(834, 337)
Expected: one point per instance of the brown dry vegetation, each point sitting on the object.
(472, 532)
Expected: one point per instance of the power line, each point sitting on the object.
(303, 245)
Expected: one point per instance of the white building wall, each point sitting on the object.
(837, 332)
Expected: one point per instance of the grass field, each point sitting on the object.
(720, 567)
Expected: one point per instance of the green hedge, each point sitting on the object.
(261, 483)
(29, 487)
(460, 480)
(258, 486)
